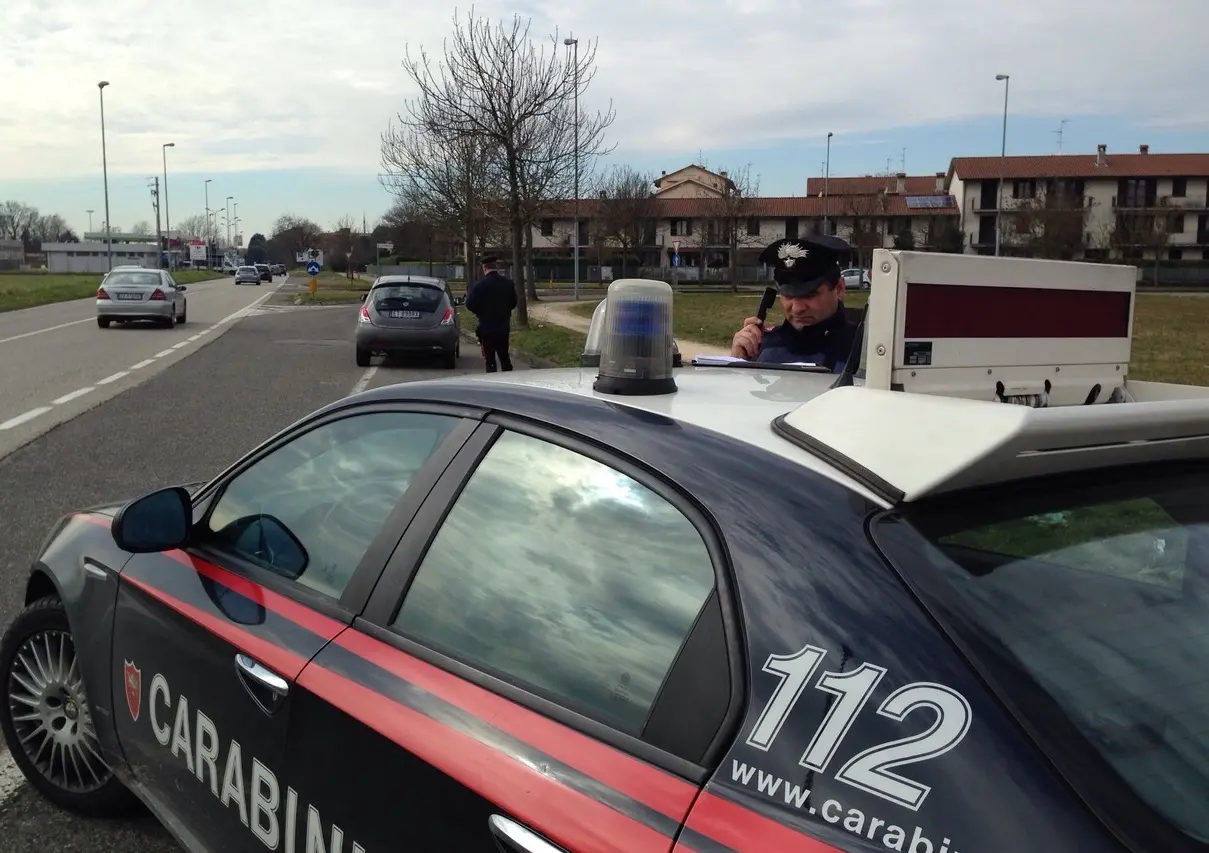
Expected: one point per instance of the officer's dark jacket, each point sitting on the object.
(492, 299)
(828, 342)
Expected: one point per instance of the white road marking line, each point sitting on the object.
(198, 335)
(142, 364)
(181, 344)
(23, 418)
(47, 329)
(162, 353)
(364, 380)
(11, 777)
(113, 378)
(67, 398)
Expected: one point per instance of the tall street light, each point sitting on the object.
(1007, 82)
(89, 212)
(574, 45)
(228, 220)
(105, 171)
(167, 223)
(206, 184)
(826, 181)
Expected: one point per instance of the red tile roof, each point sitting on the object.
(767, 207)
(1081, 166)
(870, 184)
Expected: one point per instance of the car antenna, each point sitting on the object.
(854, 355)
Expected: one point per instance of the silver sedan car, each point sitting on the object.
(247, 275)
(409, 314)
(131, 294)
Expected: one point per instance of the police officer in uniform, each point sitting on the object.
(811, 291)
(492, 300)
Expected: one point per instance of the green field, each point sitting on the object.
(25, 290)
(1170, 333)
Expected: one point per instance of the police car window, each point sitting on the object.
(565, 576)
(311, 508)
(1105, 607)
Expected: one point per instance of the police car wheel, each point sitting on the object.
(46, 718)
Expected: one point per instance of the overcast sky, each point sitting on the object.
(282, 103)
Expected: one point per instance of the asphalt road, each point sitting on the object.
(216, 402)
(58, 363)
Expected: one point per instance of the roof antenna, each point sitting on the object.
(1058, 133)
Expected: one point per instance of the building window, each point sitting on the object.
(1179, 187)
(1175, 254)
(682, 227)
(1024, 189)
(791, 228)
(753, 226)
(1175, 223)
(547, 227)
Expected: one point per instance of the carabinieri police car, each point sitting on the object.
(952, 601)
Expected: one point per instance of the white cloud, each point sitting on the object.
(308, 83)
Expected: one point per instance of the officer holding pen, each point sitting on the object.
(811, 291)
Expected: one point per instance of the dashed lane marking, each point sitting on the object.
(74, 395)
(25, 417)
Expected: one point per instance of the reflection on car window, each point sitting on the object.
(564, 575)
(1103, 607)
(418, 296)
(141, 279)
(331, 489)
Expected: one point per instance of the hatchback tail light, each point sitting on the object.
(447, 317)
(157, 295)
(364, 314)
(102, 293)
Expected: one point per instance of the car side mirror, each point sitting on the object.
(363, 295)
(159, 521)
(181, 287)
(459, 300)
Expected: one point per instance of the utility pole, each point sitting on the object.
(1005, 79)
(167, 225)
(826, 181)
(105, 172)
(155, 203)
(573, 43)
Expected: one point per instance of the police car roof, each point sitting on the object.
(739, 403)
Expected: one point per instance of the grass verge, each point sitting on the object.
(334, 289)
(1170, 332)
(558, 344)
(27, 290)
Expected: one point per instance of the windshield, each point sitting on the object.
(136, 279)
(1097, 601)
(416, 297)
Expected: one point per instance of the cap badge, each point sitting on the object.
(791, 252)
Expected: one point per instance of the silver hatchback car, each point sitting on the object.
(131, 294)
(247, 275)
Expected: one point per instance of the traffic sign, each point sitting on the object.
(676, 246)
(312, 268)
(387, 247)
(676, 259)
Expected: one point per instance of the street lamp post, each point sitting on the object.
(89, 212)
(167, 223)
(826, 181)
(1007, 82)
(105, 171)
(573, 43)
(227, 218)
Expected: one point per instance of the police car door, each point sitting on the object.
(209, 641)
(554, 669)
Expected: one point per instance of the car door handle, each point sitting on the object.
(520, 838)
(263, 676)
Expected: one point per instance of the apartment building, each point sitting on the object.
(1129, 206)
(700, 217)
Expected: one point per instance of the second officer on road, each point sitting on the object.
(492, 300)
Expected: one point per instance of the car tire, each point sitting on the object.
(45, 621)
(363, 357)
(103, 322)
(184, 317)
(449, 360)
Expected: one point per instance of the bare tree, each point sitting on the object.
(445, 179)
(16, 219)
(49, 228)
(1139, 233)
(344, 240)
(190, 227)
(295, 234)
(495, 85)
(1050, 225)
(625, 210)
(728, 213)
(864, 212)
(142, 227)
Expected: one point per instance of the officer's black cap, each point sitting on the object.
(488, 260)
(800, 266)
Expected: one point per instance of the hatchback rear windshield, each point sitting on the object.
(1092, 603)
(419, 297)
(135, 279)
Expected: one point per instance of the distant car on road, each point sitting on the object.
(266, 274)
(247, 275)
(409, 314)
(856, 279)
(277, 269)
(130, 294)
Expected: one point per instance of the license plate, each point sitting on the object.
(405, 315)
(130, 296)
